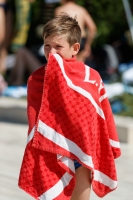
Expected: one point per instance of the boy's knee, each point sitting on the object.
(83, 184)
(83, 174)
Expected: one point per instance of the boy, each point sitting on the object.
(72, 140)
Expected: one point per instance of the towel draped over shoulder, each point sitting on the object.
(69, 118)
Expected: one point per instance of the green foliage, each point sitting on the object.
(80, 2)
(109, 17)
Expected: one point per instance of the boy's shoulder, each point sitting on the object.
(39, 70)
(93, 71)
(37, 74)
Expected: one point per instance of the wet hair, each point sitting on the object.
(63, 25)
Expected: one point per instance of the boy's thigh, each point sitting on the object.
(83, 184)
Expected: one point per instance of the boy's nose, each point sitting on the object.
(53, 50)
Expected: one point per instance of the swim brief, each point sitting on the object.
(77, 164)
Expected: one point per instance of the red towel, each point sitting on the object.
(69, 118)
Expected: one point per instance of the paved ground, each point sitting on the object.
(12, 144)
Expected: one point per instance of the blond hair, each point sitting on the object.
(63, 25)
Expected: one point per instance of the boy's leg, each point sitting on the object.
(83, 184)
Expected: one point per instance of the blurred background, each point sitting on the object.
(21, 53)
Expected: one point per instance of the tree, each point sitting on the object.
(109, 17)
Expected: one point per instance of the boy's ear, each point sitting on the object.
(76, 48)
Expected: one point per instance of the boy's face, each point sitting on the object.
(59, 45)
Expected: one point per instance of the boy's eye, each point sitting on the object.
(58, 46)
(46, 45)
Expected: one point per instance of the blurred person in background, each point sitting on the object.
(2, 20)
(3, 83)
(3, 6)
(87, 25)
(24, 65)
(18, 20)
(16, 58)
(22, 25)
